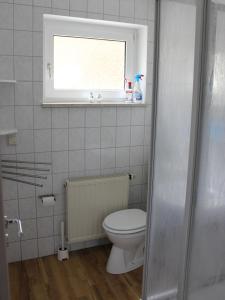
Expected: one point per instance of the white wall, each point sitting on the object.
(78, 141)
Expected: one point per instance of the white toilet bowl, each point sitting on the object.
(126, 230)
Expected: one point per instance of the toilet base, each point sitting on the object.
(122, 261)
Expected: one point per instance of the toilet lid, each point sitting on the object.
(126, 220)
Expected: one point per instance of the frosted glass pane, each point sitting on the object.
(174, 106)
(88, 64)
(207, 258)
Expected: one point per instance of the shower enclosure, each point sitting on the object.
(185, 256)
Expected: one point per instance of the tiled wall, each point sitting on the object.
(78, 141)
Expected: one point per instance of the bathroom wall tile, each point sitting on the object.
(92, 159)
(76, 117)
(37, 69)
(45, 246)
(141, 9)
(29, 229)
(60, 161)
(45, 226)
(92, 138)
(60, 118)
(76, 160)
(123, 116)
(80, 5)
(27, 208)
(44, 3)
(58, 182)
(6, 16)
(123, 136)
(60, 206)
(59, 139)
(11, 208)
(57, 224)
(9, 190)
(37, 44)
(24, 117)
(61, 4)
(23, 43)
(95, 6)
(13, 252)
(108, 137)
(25, 191)
(42, 117)
(108, 117)
(76, 138)
(37, 93)
(111, 7)
(6, 95)
(23, 17)
(7, 117)
(25, 2)
(137, 135)
(108, 158)
(136, 155)
(93, 117)
(138, 175)
(122, 157)
(137, 116)
(127, 8)
(29, 249)
(25, 141)
(42, 140)
(135, 195)
(6, 42)
(23, 68)
(38, 17)
(23, 93)
(6, 70)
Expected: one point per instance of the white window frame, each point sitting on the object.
(87, 28)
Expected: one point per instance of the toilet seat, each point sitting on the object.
(126, 221)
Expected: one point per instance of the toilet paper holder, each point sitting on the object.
(48, 200)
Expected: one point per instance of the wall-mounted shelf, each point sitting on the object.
(4, 132)
(7, 81)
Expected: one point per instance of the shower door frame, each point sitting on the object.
(193, 165)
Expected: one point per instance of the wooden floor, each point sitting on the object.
(82, 277)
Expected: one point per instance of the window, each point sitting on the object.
(85, 57)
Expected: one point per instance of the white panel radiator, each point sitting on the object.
(89, 201)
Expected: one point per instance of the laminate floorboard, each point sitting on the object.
(82, 277)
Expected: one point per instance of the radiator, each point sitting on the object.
(89, 201)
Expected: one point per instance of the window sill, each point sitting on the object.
(88, 104)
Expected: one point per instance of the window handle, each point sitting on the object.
(49, 68)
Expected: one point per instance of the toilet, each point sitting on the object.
(126, 230)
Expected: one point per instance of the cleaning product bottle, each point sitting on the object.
(138, 96)
(129, 91)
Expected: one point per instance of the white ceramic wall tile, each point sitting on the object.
(122, 157)
(6, 16)
(141, 9)
(24, 117)
(42, 117)
(7, 117)
(37, 69)
(22, 43)
(23, 17)
(93, 117)
(92, 159)
(108, 158)
(11, 208)
(23, 93)
(111, 7)
(45, 226)
(137, 116)
(13, 252)
(6, 42)
(25, 190)
(123, 136)
(80, 5)
(23, 68)
(9, 190)
(60, 206)
(76, 117)
(137, 135)
(38, 17)
(25, 141)
(6, 95)
(76, 160)
(45, 246)
(123, 116)
(6, 70)
(60, 161)
(37, 44)
(95, 6)
(108, 117)
(127, 8)
(44, 3)
(58, 182)
(29, 249)
(76, 138)
(92, 138)
(24, 2)
(60, 118)
(29, 229)
(59, 139)
(136, 155)
(42, 140)
(61, 4)
(27, 208)
(108, 137)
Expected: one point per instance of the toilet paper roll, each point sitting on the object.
(48, 200)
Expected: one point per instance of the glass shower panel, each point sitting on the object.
(206, 278)
(174, 105)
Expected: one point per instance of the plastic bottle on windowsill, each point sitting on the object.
(138, 95)
(129, 92)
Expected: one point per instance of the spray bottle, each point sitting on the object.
(138, 96)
